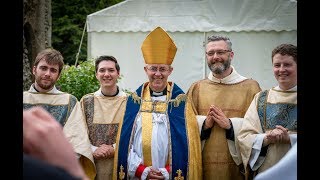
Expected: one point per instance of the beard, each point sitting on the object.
(219, 68)
(46, 86)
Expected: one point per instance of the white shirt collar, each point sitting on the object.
(99, 93)
(295, 88)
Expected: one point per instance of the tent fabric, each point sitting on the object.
(255, 28)
(196, 15)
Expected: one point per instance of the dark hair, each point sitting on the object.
(51, 56)
(285, 49)
(220, 38)
(107, 58)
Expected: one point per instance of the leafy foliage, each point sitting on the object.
(68, 20)
(79, 80)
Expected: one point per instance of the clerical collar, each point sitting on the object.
(34, 87)
(111, 95)
(157, 94)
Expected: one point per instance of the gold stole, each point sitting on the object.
(147, 107)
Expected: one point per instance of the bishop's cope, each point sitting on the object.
(158, 137)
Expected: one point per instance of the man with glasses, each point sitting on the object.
(158, 136)
(224, 94)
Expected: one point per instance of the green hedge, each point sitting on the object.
(79, 80)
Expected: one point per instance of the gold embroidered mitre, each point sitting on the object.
(158, 47)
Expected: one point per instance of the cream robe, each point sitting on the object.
(286, 168)
(72, 122)
(233, 94)
(251, 134)
(102, 115)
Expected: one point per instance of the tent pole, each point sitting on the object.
(204, 55)
(77, 56)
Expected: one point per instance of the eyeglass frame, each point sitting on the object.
(161, 69)
(218, 52)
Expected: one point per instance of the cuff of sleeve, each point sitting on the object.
(165, 172)
(205, 134)
(168, 168)
(258, 141)
(230, 132)
(145, 173)
(139, 170)
(93, 148)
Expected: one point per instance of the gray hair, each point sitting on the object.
(220, 38)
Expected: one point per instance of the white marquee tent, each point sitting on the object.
(255, 27)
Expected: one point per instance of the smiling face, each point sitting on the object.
(218, 57)
(46, 75)
(285, 71)
(107, 74)
(158, 76)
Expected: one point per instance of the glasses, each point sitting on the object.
(154, 69)
(218, 52)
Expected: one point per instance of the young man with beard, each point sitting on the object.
(158, 136)
(102, 111)
(64, 107)
(224, 94)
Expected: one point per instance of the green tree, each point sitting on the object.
(68, 20)
(78, 80)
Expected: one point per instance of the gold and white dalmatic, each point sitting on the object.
(102, 115)
(268, 109)
(233, 94)
(65, 108)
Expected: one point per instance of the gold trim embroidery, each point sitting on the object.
(179, 177)
(121, 173)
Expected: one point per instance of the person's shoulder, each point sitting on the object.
(251, 83)
(123, 93)
(197, 83)
(202, 81)
(89, 95)
(26, 92)
(71, 96)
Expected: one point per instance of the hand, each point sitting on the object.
(266, 139)
(155, 174)
(208, 123)
(285, 138)
(103, 152)
(43, 138)
(220, 118)
(277, 135)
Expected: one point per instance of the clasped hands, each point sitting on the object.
(154, 174)
(215, 115)
(103, 152)
(277, 135)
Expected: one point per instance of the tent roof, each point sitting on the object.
(196, 15)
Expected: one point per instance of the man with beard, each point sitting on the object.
(158, 137)
(224, 94)
(64, 107)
